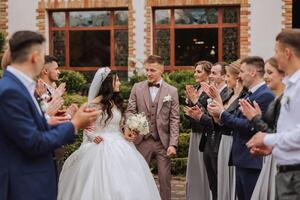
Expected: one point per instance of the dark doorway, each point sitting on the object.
(296, 14)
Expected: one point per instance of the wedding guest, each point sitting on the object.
(26, 166)
(265, 186)
(197, 185)
(226, 185)
(50, 74)
(285, 144)
(247, 166)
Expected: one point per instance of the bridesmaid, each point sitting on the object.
(197, 186)
(226, 182)
(265, 186)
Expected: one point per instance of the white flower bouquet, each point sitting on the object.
(138, 123)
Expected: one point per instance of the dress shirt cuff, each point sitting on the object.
(220, 118)
(270, 139)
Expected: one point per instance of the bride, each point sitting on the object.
(112, 169)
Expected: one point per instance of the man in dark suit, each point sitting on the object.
(27, 170)
(209, 143)
(248, 167)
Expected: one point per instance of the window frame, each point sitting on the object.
(112, 28)
(172, 26)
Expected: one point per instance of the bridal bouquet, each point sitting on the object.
(138, 123)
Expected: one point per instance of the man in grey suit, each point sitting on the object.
(159, 101)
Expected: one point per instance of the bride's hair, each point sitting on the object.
(110, 97)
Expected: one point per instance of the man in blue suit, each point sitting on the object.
(248, 167)
(27, 170)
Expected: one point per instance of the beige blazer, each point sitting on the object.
(167, 119)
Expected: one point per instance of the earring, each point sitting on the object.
(237, 83)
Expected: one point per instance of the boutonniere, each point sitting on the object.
(167, 98)
(42, 102)
(286, 100)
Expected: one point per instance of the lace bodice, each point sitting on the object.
(112, 125)
(111, 130)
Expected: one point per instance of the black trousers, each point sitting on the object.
(210, 157)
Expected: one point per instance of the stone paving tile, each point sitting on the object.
(178, 187)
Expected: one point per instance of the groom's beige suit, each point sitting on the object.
(163, 116)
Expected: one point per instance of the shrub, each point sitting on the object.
(183, 145)
(70, 148)
(1, 73)
(178, 166)
(74, 98)
(75, 81)
(2, 41)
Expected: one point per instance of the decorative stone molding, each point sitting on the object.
(287, 13)
(4, 17)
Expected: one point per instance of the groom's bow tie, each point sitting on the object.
(154, 85)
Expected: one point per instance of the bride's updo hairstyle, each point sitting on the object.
(110, 97)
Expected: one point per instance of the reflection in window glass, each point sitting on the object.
(193, 45)
(121, 47)
(162, 16)
(196, 16)
(59, 19)
(230, 15)
(162, 45)
(89, 48)
(89, 18)
(58, 46)
(121, 17)
(230, 44)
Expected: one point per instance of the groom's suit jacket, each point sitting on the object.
(167, 116)
(27, 170)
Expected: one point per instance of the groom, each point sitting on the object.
(27, 170)
(159, 101)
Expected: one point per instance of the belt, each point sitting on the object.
(287, 168)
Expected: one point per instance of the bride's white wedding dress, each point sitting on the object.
(111, 170)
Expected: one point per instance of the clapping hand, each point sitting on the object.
(59, 91)
(41, 88)
(71, 110)
(248, 110)
(194, 112)
(191, 93)
(261, 151)
(215, 108)
(257, 140)
(85, 116)
(54, 105)
(54, 120)
(212, 92)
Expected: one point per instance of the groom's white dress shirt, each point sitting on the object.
(154, 90)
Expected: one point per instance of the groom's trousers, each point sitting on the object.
(153, 149)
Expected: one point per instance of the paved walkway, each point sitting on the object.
(178, 187)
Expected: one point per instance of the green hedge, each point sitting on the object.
(69, 149)
(75, 81)
(183, 145)
(74, 98)
(2, 41)
(1, 73)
